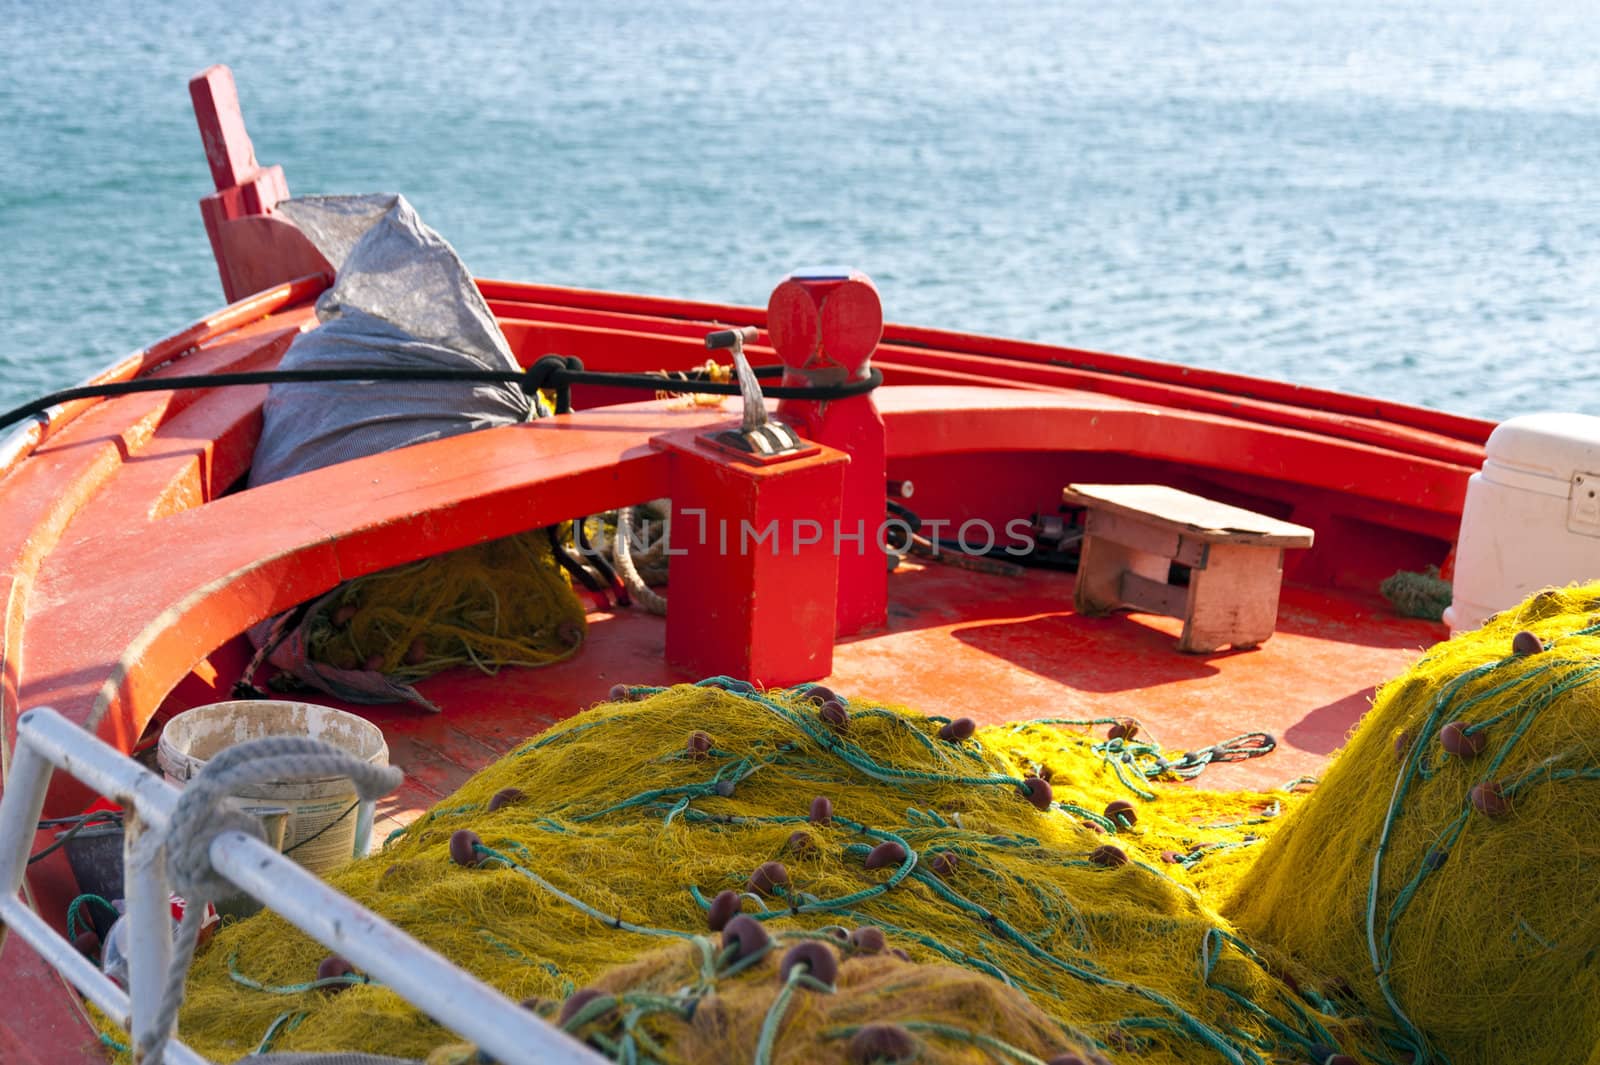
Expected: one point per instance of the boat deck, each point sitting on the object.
(967, 644)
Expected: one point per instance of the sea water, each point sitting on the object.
(1399, 199)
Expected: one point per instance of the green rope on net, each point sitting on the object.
(799, 976)
(1413, 768)
(578, 904)
(293, 989)
(286, 1022)
(1187, 1023)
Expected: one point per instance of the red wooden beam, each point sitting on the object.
(244, 187)
(229, 153)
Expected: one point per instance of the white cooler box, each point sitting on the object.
(1532, 517)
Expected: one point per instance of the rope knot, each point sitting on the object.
(548, 372)
(204, 812)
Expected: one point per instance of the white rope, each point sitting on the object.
(755, 404)
(622, 554)
(202, 814)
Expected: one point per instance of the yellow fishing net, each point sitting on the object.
(1037, 917)
(893, 887)
(874, 1005)
(505, 602)
(1448, 868)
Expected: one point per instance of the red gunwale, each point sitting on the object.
(530, 324)
(1443, 423)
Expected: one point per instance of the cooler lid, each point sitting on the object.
(1547, 445)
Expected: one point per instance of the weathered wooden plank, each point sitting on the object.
(1182, 512)
(1102, 567)
(1142, 535)
(1234, 600)
(1154, 597)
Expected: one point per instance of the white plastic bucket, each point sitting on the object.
(324, 829)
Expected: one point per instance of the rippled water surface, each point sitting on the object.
(1393, 198)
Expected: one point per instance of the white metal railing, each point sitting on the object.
(46, 741)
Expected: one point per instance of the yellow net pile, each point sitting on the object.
(505, 602)
(1448, 868)
(873, 1004)
(1040, 880)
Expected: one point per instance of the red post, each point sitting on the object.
(754, 573)
(244, 187)
(825, 325)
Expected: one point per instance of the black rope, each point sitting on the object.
(899, 538)
(578, 570)
(597, 559)
(555, 372)
(296, 846)
(79, 823)
(1238, 749)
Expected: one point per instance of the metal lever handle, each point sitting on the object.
(729, 338)
(755, 407)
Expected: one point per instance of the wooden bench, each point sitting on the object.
(1132, 534)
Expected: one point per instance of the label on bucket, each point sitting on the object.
(178, 905)
(321, 835)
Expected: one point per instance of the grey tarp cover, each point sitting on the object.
(401, 297)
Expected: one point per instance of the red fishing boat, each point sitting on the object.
(1206, 511)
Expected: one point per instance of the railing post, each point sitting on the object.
(21, 805)
(149, 921)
